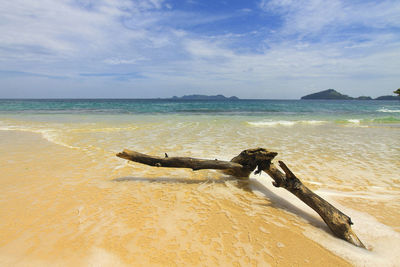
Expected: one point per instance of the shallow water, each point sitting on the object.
(67, 200)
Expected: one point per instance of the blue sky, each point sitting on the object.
(160, 48)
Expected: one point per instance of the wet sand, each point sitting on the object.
(67, 200)
(59, 207)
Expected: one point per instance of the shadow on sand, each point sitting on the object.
(279, 202)
(166, 180)
(275, 201)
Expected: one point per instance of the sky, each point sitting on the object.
(160, 48)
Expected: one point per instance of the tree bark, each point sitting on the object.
(337, 221)
(179, 162)
(259, 159)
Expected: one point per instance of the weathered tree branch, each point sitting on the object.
(179, 162)
(338, 222)
(246, 162)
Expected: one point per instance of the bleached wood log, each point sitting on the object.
(260, 159)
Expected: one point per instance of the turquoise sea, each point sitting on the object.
(255, 112)
(337, 110)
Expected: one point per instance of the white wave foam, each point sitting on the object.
(283, 123)
(50, 135)
(53, 137)
(388, 110)
(271, 123)
(313, 122)
(356, 121)
(382, 240)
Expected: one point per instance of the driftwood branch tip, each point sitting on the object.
(260, 159)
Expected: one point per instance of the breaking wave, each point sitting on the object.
(283, 123)
(388, 110)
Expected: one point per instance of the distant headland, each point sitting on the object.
(205, 97)
(332, 94)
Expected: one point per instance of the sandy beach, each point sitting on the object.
(52, 218)
(66, 200)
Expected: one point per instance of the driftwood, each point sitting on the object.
(260, 159)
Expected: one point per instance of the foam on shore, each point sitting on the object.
(283, 123)
(382, 241)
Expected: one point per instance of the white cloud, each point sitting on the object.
(312, 49)
(120, 61)
(207, 49)
(56, 28)
(69, 36)
(157, 3)
(314, 16)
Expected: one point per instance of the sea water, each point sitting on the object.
(66, 199)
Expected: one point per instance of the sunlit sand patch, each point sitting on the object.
(85, 206)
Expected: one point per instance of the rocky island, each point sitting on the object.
(332, 94)
(327, 94)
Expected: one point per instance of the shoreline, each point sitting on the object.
(276, 243)
(60, 174)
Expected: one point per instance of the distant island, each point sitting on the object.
(205, 97)
(388, 97)
(332, 94)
